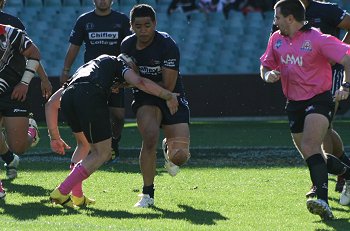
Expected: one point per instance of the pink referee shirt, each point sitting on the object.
(304, 61)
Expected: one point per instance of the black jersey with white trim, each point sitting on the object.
(326, 16)
(13, 42)
(101, 34)
(162, 52)
(8, 19)
(104, 72)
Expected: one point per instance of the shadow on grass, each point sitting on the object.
(34, 210)
(190, 214)
(24, 189)
(336, 224)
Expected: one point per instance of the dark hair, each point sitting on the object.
(292, 7)
(142, 10)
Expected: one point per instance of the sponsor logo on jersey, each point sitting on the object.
(170, 62)
(290, 59)
(306, 46)
(146, 70)
(103, 35)
(278, 43)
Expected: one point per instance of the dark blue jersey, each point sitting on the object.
(101, 34)
(326, 16)
(13, 42)
(162, 52)
(11, 20)
(104, 71)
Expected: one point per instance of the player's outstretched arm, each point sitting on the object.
(152, 88)
(51, 113)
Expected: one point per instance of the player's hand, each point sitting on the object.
(64, 77)
(173, 104)
(272, 76)
(20, 92)
(59, 146)
(341, 94)
(46, 88)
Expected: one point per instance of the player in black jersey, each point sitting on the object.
(19, 62)
(101, 30)
(84, 103)
(12, 160)
(157, 58)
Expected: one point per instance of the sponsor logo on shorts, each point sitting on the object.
(310, 108)
(19, 110)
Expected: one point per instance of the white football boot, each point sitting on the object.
(145, 201)
(345, 194)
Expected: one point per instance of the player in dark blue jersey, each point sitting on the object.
(330, 19)
(19, 62)
(12, 160)
(84, 103)
(101, 30)
(157, 58)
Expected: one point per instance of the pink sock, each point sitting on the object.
(78, 174)
(1, 188)
(77, 190)
(32, 132)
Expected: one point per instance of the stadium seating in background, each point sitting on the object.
(54, 3)
(33, 3)
(14, 3)
(209, 43)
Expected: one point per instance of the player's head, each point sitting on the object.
(287, 12)
(143, 22)
(291, 7)
(103, 5)
(2, 4)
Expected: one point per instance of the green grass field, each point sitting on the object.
(242, 176)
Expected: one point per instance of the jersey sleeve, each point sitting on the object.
(268, 59)
(171, 55)
(332, 48)
(77, 34)
(19, 39)
(335, 14)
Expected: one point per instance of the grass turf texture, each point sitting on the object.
(231, 183)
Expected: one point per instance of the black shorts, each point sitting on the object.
(117, 99)
(85, 108)
(297, 110)
(181, 116)
(13, 108)
(338, 75)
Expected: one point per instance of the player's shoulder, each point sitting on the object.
(323, 5)
(119, 14)
(86, 15)
(12, 20)
(164, 37)
(128, 40)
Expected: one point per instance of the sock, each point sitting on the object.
(335, 166)
(115, 146)
(78, 174)
(319, 175)
(8, 157)
(1, 188)
(77, 189)
(32, 132)
(345, 159)
(148, 190)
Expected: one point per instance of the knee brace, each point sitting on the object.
(178, 150)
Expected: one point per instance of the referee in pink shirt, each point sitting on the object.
(299, 56)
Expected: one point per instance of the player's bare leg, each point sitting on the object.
(148, 121)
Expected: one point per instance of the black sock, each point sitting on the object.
(319, 175)
(115, 145)
(8, 157)
(345, 159)
(335, 166)
(148, 190)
